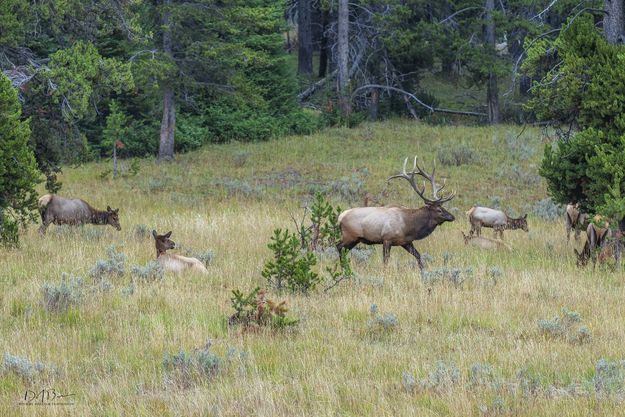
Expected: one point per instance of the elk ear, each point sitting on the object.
(154, 234)
(167, 234)
(116, 211)
(525, 217)
(108, 208)
(576, 252)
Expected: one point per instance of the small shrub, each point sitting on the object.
(240, 158)
(113, 266)
(24, 368)
(290, 268)
(9, 231)
(67, 293)
(141, 232)
(456, 155)
(546, 209)
(186, 369)
(381, 324)
(341, 271)
(152, 271)
(481, 374)
(255, 310)
(362, 255)
(609, 376)
(440, 380)
(349, 188)
(566, 327)
(455, 276)
(236, 187)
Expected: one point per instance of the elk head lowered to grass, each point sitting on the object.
(396, 226)
(171, 262)
(60, 210)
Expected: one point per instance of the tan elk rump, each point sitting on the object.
(174, 263)
(59, 210)
(575, 220)
(597, 243)
(393, 225)
(496, 219)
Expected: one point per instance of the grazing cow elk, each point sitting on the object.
(484, 242)
(596, 241)
(575, 220)
(59, 210)
(498, 220)
(174, 263)
(393, 225)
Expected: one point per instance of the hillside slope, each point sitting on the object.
(474, 335)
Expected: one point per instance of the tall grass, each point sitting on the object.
(109, 349)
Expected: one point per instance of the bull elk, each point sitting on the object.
(484, 242)
(575, 220)
(174, 263)
(496, 219)
(393, 225)
(596, 242)
(58, 210)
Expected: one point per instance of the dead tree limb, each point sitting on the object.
(431, 109)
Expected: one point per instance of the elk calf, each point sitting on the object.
(59, 210)
(174, 263)
(575, 220)
(496, 219)
(484, 242)
(396, 226)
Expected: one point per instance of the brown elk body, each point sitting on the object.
(596, 244)
(496, 219)
(174, 263)
(485, 242)
(393, 225)
(574, 220)
(59, 210)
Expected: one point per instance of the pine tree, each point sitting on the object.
(18, 169)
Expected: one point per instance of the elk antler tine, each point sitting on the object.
(405, 162)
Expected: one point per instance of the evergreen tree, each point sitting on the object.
(18, 169)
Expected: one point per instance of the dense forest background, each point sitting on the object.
(136, 77)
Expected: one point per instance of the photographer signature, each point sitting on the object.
(48, 396)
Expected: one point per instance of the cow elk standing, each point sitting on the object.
(484, 242)
(496, 219)
(59, 210)
(396, 226)
(597, 242)
(575, 220)
(174, 263)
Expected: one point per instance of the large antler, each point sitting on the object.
(410, 177)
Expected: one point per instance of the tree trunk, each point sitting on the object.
(343, 58)
(374, 105)
(304, 38)
(614, 21)
(492, 92)
(114, 160)
(323, 44)
(168, 124)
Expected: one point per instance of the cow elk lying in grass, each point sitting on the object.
(597, 242)
(485, 242)
(575, 220)
(59, 210)
(496, 219)
(174, 263)
(396, 226)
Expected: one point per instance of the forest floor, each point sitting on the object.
(518, 333)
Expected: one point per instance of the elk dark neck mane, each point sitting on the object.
(421, 222)
(98, 217)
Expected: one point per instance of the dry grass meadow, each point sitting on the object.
(468, 344)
